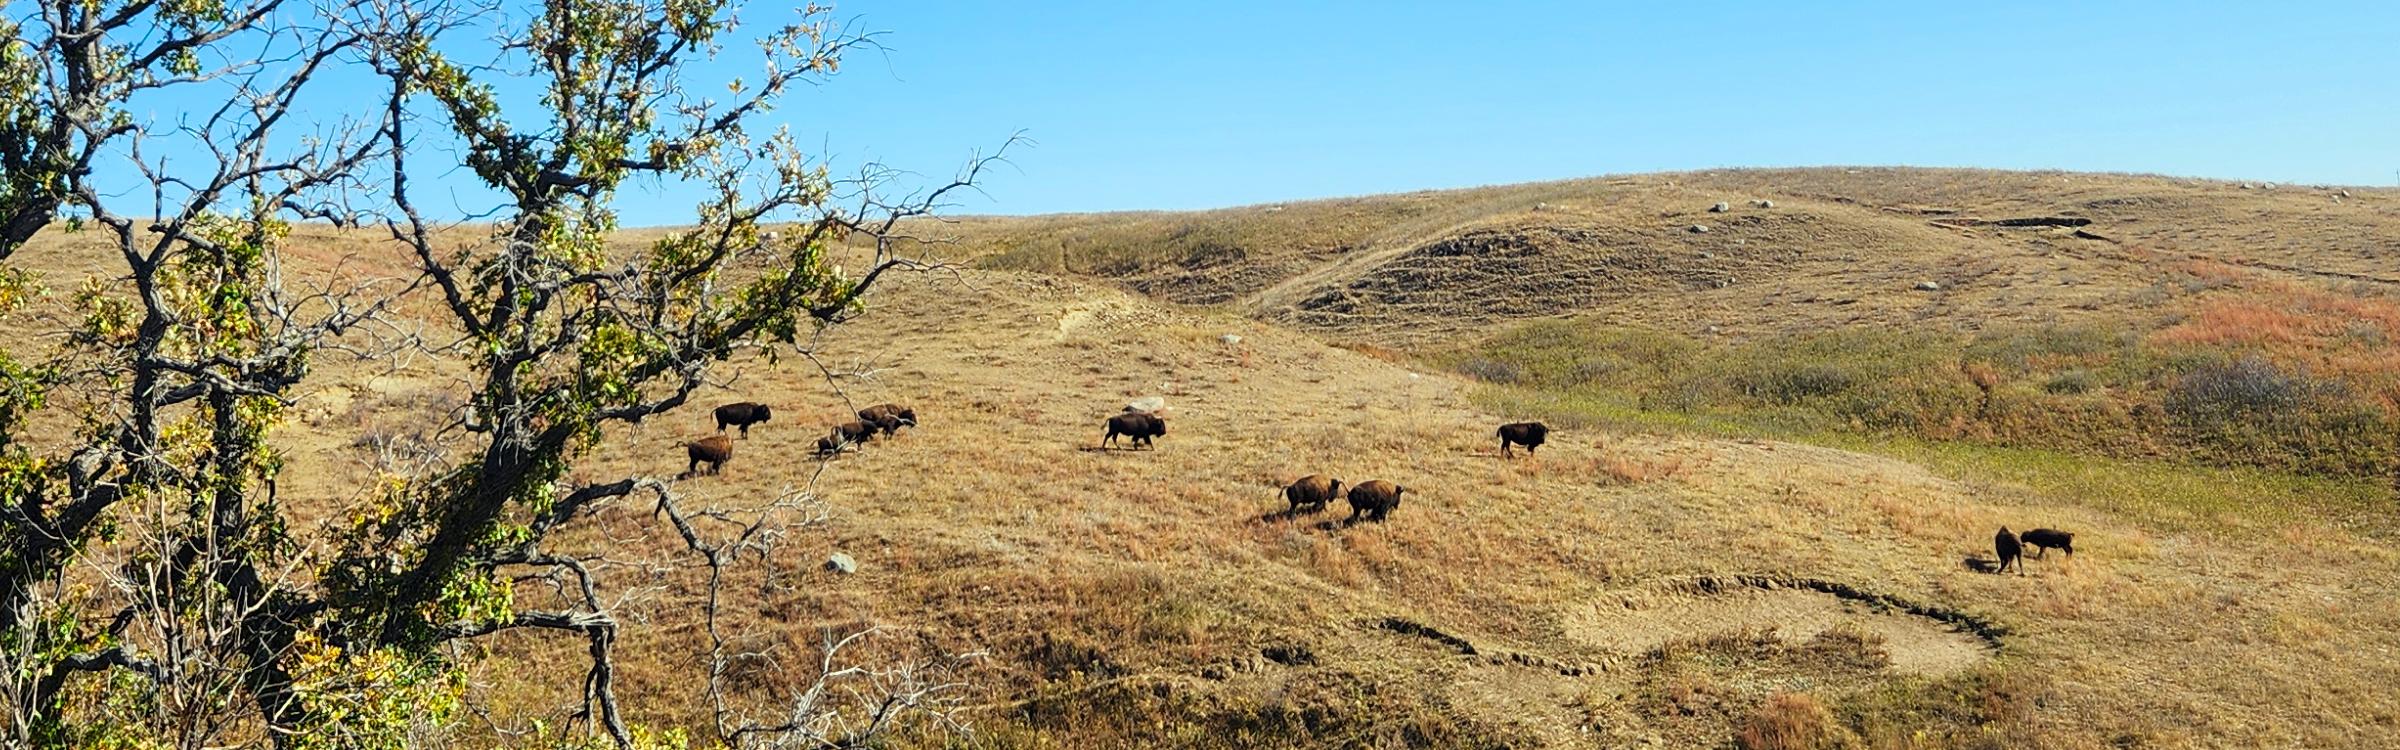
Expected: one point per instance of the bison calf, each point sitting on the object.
(1374, 499)
(1313, 492)
(1138, 425)
(830, 445)
(853, 432)
(743, 415)
(715, 450)
(888, 417)
(1528, 434)
(2044, 540)
(2010, 550)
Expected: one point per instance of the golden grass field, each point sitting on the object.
(1622, 588)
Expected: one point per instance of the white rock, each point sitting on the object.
(841, 563)
(1147, 403)
(1230, 339)
(1699, 229)
(1720, 208)
(1929, 286)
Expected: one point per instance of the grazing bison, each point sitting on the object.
(1313, 492)
(714, 449)
(888, 417)
(743, 415)
(2010, 551)
(1374, 499)
(853, 432)
(2043, 540)
(1141, 426)
(1528, 434)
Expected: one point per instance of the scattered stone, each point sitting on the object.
(1741, 242)
(2245, 186)
(1296, 655)
(2344, 194)
(1699, 229)
(1541, 207)
(1230, 339)
(1147, 403)
(1720, 208)
(1708, 255)
(841, 563)
(2268, 186)
(1763, 203)
(1929, 286)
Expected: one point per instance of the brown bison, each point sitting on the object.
(830, 445)
(2010, 550)
(1374, 499)
(1313, 492)
(853, 432)
(2044, 540)
(714, 449)
(1528, 434)
(1141, 426)
(743, 415)
(888, 417)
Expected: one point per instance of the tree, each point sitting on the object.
(148, 552)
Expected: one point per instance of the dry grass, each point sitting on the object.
(1135, 598)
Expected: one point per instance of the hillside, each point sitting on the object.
(1838, 247)
(1619, 588)
(1625, 587)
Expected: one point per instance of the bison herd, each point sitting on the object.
(1372, 500)
(2011, 547)
(715, 450)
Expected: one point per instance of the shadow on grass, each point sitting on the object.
(1292, 515)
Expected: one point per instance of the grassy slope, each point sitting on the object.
(1165, 565)
(1128, 597)
(1839, 247)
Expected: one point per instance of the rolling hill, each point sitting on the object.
(1632, 585)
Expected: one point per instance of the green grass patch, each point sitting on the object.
(2182, 438)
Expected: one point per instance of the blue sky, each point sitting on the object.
(1158, 105)
(1191, 105)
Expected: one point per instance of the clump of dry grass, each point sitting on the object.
(1794, 721)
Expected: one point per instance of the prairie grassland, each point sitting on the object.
(1135, 597)
(1679, 566)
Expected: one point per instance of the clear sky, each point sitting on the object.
(1191, 105)
(1180, 105)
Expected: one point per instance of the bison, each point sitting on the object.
(830, 445)
(853, 432)
(1374, 499)
(2043, 540)
(888, 417)
(743, 415)
(2010, 550)
(1141, 426)
(1312, 491)
(714, 449)
(1528, 434)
